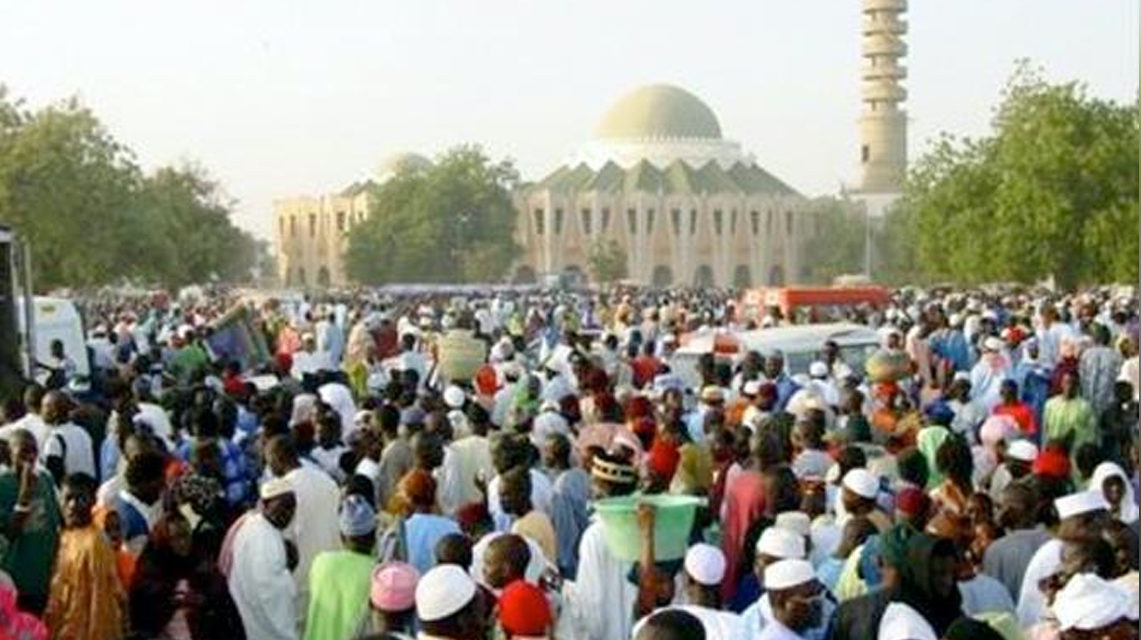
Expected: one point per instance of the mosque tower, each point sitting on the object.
(883, 123)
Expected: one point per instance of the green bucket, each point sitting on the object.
(673, 520)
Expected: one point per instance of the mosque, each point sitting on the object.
(687, 205)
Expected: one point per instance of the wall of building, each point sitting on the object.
(311, 235)
(679, 240)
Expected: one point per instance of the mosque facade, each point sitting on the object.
(686, 205)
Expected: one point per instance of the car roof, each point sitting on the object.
(792, 338)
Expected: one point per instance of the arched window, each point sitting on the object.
(649, 222)
(717, 221)
(675, 219)
(312, 225)
(632, 221)
(605, 220)
(693, 222)
(733, 222)
(755, 221)
(558, 221)
(540, 222)
(341, 221)
(587, 222)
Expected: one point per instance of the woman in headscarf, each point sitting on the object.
(953, 462)
(1110, 479)
(928, 441)
(993, 435)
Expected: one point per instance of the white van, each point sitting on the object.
(55, 319)
(800, 344)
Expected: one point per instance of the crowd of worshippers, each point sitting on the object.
(348, 491)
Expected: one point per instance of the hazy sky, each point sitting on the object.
(283, 98)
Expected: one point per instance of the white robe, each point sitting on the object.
(602, 599)
(260, 582)
(315, 527)
(1031, 603)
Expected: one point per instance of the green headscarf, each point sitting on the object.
(928, 442)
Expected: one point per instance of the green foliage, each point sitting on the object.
(836, 245)
(451, 222)
(606, 261)
(1052, 191)
(91, 216)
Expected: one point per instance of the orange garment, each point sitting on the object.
(125, 565)
(86, 599)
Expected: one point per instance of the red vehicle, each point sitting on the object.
(755, 302)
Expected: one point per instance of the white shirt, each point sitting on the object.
(541, 491)
(774, 630)
(79, 457)
(260, 583)
(33, 423)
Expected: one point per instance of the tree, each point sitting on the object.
(451, 222)
(837, 245)
(67, 186)
(92, 217)
(1052, 191)
(192, 216)
(606, 261)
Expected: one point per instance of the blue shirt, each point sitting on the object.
(423, 531)
(233, 468)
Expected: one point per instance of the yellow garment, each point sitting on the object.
(86, 600)
(694, 473)
(850, 585)
(537, 526)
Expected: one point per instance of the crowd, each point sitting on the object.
(349, 487)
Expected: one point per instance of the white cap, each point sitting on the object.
(751, 388)
(454, 397)
(901, 622)
(785, 574)
(1089, 602)
(442, 592)
(274, 488)
(795, 521)
(992, 343)
(1023, 450)
(818, 370)
(669, 338)
(781, 543)
(961, 376)
(862, 482)
(705, 563)
(1081, 502)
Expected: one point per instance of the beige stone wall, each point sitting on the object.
(668, 239)
(311, 234)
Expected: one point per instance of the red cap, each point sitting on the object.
(1052, 462)
(524, 610)
(911, 501)
(663, 459)
(486, 380)
(284, 361)
(639, 407)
